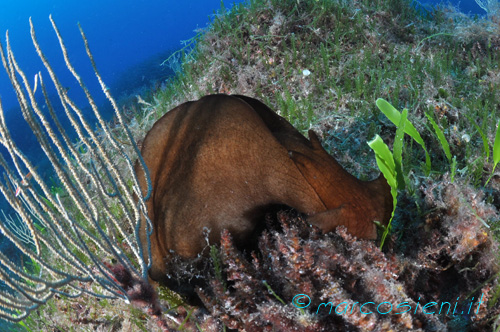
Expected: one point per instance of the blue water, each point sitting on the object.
(129, 39)
(464, 6)
(121, 34)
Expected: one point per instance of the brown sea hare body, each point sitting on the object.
(222, 161)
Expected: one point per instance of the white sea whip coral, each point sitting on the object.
(98, 217)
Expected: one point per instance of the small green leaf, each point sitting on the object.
(385, 162)
(496, 147)
(453, 168)
(440, 136)
(393, 114)
(483, 137)
(21, 323)
(496, 152)
(398, 150)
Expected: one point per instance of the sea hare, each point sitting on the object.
(223, 161)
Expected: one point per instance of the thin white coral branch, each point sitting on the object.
(68, 236)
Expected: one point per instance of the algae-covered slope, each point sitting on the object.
(323, 64)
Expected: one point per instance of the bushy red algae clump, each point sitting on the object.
(443, 278)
